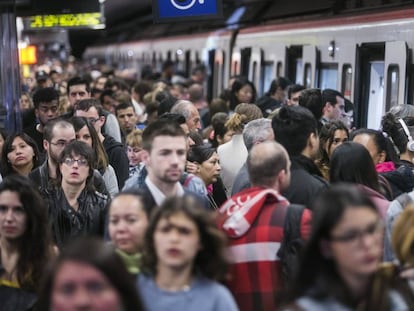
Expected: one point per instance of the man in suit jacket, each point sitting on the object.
(164, 155)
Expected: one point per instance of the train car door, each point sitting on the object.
(396, 56)
(369, 85)
(294, 64)
(310, 61)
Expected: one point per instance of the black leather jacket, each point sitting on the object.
(66, 223)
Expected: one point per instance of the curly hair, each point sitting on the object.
(243, 114)
(211, 259)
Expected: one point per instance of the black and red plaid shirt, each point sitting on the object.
(253, 219)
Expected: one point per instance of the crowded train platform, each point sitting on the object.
(256, 178)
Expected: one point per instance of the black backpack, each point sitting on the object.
(292, 243)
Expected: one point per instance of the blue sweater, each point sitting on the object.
(203, 295)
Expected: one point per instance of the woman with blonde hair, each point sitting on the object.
(233, 154)
(134, 151)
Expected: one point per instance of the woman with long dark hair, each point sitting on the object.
(208, 169)
(342, 253)
(352, 163)
(19, 155)
(86, 132)
(242, 91)
(25, 243)
(331, 136)
(184, 255)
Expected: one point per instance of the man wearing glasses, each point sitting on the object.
(117, 156)
(57, 134)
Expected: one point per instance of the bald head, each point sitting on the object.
(268, 165)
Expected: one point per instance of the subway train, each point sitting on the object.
(368, 57)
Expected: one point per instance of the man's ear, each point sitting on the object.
(281, 177)
(145, 156)
(45, 144)
(312, 140)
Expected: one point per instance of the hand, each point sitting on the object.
(192, 168)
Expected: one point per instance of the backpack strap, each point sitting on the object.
(291, 227)
(187, 180)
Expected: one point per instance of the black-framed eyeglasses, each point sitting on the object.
(62, 143)
(71, 161)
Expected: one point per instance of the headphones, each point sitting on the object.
(410, 144)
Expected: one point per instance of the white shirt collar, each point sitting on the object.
(158, 195)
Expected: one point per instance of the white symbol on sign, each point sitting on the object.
(180, 4)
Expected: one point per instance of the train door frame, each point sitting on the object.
(235, 63)
(346, 66)
(218, 72)
(367, 53)
(310, 59)
(245, 57)
(255, 66)
(211, 78)
(395, 58)
(273, 57)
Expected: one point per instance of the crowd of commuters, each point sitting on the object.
(143, 195)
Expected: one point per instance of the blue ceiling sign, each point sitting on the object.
(184, 10)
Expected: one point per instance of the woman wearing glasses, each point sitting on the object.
(342, 254)
(75, 208)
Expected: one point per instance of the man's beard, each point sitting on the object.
(52, 156)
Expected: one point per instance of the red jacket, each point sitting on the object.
(253, 220)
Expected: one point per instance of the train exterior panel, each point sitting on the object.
(367, 57)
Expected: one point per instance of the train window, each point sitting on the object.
(392, 86)
(328, 76)
(299, 67)
(266, 76)
(307, 79)
(346, 80)
(279, 70)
